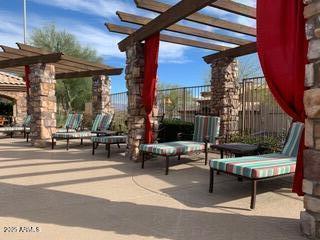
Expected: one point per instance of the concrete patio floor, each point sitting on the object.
(74, 195)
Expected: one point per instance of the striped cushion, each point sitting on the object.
(73, 121)
(206, 127)
(96, 122)
(105, 122)
(60, 130)
(267, 165)
(27, 121)
(293, 140)
(14, 129)
(172, 148)
(109, 139)
(75, 135)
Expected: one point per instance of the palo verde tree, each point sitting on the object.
(72, 94)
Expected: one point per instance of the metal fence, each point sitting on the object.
(258, 111)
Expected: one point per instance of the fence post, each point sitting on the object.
(243, 107)
(185, 104)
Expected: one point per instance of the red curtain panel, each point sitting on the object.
(26, 78)
(151, 52)
(282, 49)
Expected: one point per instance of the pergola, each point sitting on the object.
(224, 73)
(43, 68)
(225, 47)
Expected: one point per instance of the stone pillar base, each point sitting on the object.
(309, 225)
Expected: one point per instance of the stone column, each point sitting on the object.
(310, 218)
(100, 95)
(225, 95)
(136, 112)
(42, 105)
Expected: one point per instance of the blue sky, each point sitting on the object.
(179, 65)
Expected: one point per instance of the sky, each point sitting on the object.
(178, 65)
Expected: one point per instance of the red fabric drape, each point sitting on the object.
(26, 78)
(282, 49)
(151, 52)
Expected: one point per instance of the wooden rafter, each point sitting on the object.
(232, 52)
(131, 18)
(168, 38)
(234, 7)
(172, 15)
(160, 7)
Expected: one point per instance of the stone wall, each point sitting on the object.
(136, 113)
(100, 95)
(20, 104)
(310, 218)
(225, 95)
(42, 104)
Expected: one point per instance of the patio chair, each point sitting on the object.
(73, 123)
(206, 131)
(262, 167)
(108, 141)
(101, 123)
(25, 128)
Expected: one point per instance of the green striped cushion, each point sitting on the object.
(172, 148)
(27, 121)
(109, 139)
(267, 165)
(96, 122)
(68, 120)
(293, 140)
(206, 127)
(65, 130)
(73, 135)
(73, 120)
(14, 129)
(106, 121)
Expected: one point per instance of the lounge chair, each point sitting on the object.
(108, 141)
(262, 167)
(25, 128)
(206, 131)
(101, 123)
(73, 123)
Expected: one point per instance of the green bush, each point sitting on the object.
(170, 128)
(270, 143)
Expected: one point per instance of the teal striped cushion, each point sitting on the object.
(75, 135)
(293, 140)
(73, 121)
(68, 120)
(96, 122)
(109, 139)
(65, 130)
(27, 121)
(206, 127)
(172, 148)
(106, 121)
(13, 129)
(261, 166)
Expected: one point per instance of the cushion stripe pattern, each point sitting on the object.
(291, 146)
(267, 165)
(172, 148)
(73, 135)
(206, 127)
(109, 139)
(14, 129)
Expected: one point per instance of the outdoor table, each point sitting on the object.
(238, 149)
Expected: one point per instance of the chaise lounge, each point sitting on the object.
(108, 141)
(261, 167)
(101, 123)
(206, 131)
(73, 123)
(25, 128)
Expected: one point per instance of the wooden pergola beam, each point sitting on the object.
(234, 7)
(46, 58)
(170, 16)
(168, 38)
(159, 7)
(131, 18)
(232, 52)
(65, 75)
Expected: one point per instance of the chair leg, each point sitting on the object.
(68, 144)
(24, 134)
(211, 180)
(206, 154)
(108, 149)
(81, 142)
(167, 165)
(52, 143)
(27, 137)
(143, 158)
(11, 134)
(93, 148)
(253, 194)
(118, 145)
(179, 157)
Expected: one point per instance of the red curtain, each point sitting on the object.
(282, 49)
(26, 78)
(151, 52)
